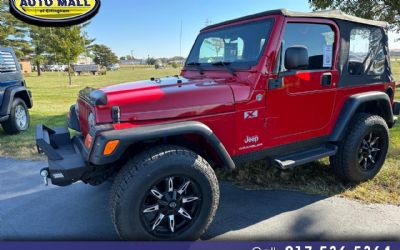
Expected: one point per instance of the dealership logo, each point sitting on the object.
(54, 12)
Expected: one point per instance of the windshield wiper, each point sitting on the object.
(227, 66)
(198, 66)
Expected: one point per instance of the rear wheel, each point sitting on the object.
(19, 119)
(168, 193)
(363, 151)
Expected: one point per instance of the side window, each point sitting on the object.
(215, 49)
(319, 40)
(366, 55)
(7, 63)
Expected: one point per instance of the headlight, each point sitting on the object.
(91, 121)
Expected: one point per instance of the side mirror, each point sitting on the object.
(296, 57)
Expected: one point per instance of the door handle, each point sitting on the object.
(326, 80)
(275, 83)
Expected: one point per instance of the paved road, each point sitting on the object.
(30, 211)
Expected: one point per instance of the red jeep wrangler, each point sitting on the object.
(287, 87)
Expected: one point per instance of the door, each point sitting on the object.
(300, 102)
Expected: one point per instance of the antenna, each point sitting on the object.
(180, 39)
(84, 35)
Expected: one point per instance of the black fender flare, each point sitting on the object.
(128, 137)
(353, 103)
(9, 96)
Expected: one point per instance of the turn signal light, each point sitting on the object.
(110, 147)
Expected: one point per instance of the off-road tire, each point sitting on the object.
(138, 176)
(10, 126)
(345, 163)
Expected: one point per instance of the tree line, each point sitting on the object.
(61, 45)
(383, 10)
(66, 44)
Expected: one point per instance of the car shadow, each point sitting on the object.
(240, 208)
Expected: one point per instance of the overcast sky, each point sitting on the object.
(153, 27)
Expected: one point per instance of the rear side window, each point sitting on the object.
(366, 55)
(7, 63)
(317, 38)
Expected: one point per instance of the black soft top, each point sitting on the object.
(346, 24)
(329, 14)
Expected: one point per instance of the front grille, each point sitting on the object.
(84, 110)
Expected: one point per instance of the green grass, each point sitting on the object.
(53, 97)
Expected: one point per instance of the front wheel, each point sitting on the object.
(167, 193)
(363, 151)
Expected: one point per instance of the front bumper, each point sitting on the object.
(66, 155)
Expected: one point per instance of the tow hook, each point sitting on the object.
(45, 174)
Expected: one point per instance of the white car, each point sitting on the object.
(113, 67)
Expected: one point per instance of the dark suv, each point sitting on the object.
(15, 99)
(286, 87)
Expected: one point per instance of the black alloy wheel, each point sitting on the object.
(363, 149)
(369, 152)
(171, 206)
(167, 192)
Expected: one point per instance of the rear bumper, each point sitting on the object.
(66, 156)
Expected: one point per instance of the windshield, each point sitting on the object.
(240, 45)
